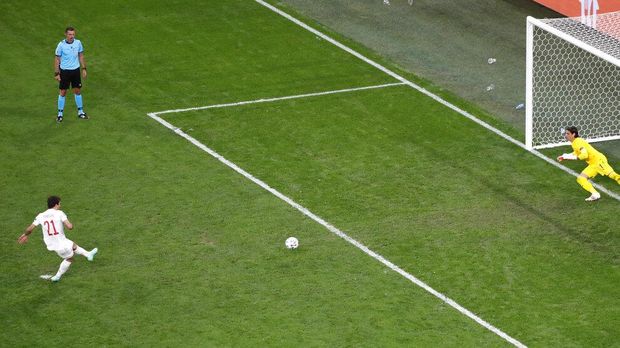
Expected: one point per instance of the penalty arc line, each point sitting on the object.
(337, 231)
(431, 95)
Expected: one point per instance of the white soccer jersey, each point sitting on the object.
(51, 222)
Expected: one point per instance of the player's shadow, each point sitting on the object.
(499, 184)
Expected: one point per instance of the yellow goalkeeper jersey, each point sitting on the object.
(587, 152)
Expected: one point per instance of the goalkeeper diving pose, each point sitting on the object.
(597, 162)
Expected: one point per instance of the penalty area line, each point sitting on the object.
(337, 231)
(267, 100)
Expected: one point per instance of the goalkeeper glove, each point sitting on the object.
(567, 156)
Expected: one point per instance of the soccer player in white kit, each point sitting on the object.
(52, 222)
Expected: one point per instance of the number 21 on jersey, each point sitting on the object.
(47, 228)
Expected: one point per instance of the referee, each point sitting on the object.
(69, 57)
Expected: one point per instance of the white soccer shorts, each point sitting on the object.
(65, 249)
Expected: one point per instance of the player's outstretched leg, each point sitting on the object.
(64, 267)
(88, 254)
(91, 254)
(583, 181)
(615, 176)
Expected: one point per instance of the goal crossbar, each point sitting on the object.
(583, 45)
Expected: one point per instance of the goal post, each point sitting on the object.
(572, 79)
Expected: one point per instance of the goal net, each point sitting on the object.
(572, 79)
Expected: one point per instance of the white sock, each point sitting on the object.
(64, 266)
(81, 251)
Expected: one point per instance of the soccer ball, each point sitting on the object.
(291, 243)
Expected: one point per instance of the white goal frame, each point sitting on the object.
(529, 78)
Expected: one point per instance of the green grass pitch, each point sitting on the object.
(192, 253)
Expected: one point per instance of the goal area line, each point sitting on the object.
(267, 100)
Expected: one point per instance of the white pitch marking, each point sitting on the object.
(336, 231)
(324, 223)
(280, 98)
(447, 104)
(430, 94)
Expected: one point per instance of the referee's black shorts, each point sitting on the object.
(70, 77)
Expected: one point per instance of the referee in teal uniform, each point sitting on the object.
(67, 62)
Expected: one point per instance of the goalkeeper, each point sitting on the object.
(597, 162)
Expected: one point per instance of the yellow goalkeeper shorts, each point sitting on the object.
(602, 167)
